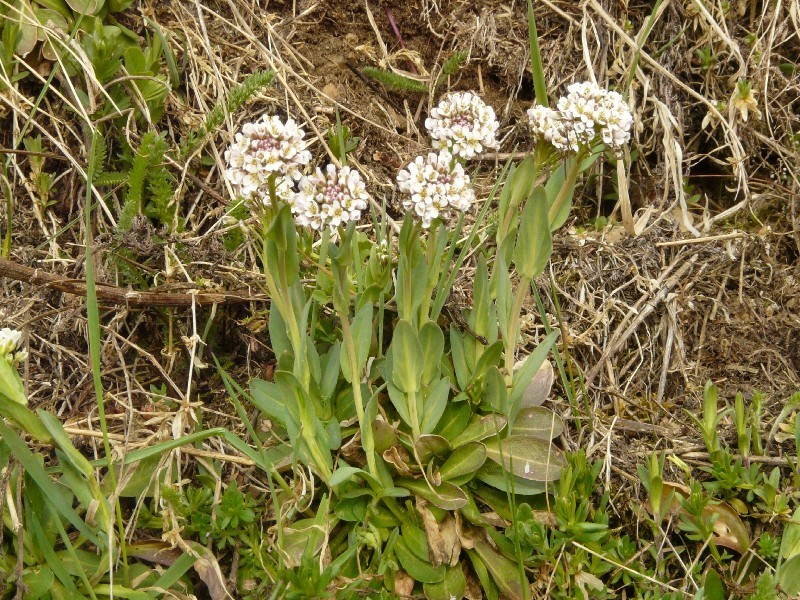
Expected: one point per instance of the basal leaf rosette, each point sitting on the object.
(588, 112)
(463, 124)
(435, 186)
(263, 149)
(330, 198)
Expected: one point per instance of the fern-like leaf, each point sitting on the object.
(237, 97)
(451, 66)
(393, 80)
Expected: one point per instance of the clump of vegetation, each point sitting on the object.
(396, 443)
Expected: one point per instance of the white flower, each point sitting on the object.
(463, 124)
(263, 148)
(9, 341)
(587, 111)
(435, 184)
(333, 197)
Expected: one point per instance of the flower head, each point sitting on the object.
(9, 342)
(264, 148)
(332, 197)
(463, 124)
(435, 185)
(587, 111)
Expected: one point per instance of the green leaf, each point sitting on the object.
(281, 246)
(267, 398)
(789, 577)
(353, 510)
(490, 357)
(419, 569)
(713, 588)
(790, 543)
(481, 429)
(342, 474)
(24, 418)
(538, 422)
(494, 475)
(11, 384)
(86, 7)
(431, 340)
(415, 540)
(37, 473)
(362, 336)
(459, 359)
(446, 496)
(61, 439)
(407, 358)
(38, 582)
(399, 401)
(434, 405)
(483, 315)
(524, 375)
(454, 585)
(495, 393)
(534, 239)
(428, 445)
(330, 371)
(504, 572)
(454, 420)
(539, 388)
(278, 332)
(487, 584)
(527, 457)
(463, 461)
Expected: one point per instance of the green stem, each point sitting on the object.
(367, 440)
(413, 414)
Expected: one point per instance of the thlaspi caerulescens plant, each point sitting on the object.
(410, 422)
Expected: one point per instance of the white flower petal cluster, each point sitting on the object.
(332, 197)
(263, 148)
(435, 184)
(463, 124)
(587, 111)
(9, 342)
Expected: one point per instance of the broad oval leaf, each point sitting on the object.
(86, 7)
(419, 569)
(480, 430)
(454, 585)
(430, 445)
(495, 476)
(539, 423)
(446, 496)
(527, 457)
(463, 461)
(539, 388)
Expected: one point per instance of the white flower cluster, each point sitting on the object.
(9, 342)
(331, 197)
(263, 148)
(435, 185)
(463, 124)
(584, 113)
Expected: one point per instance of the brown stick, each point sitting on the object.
(112, 294)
